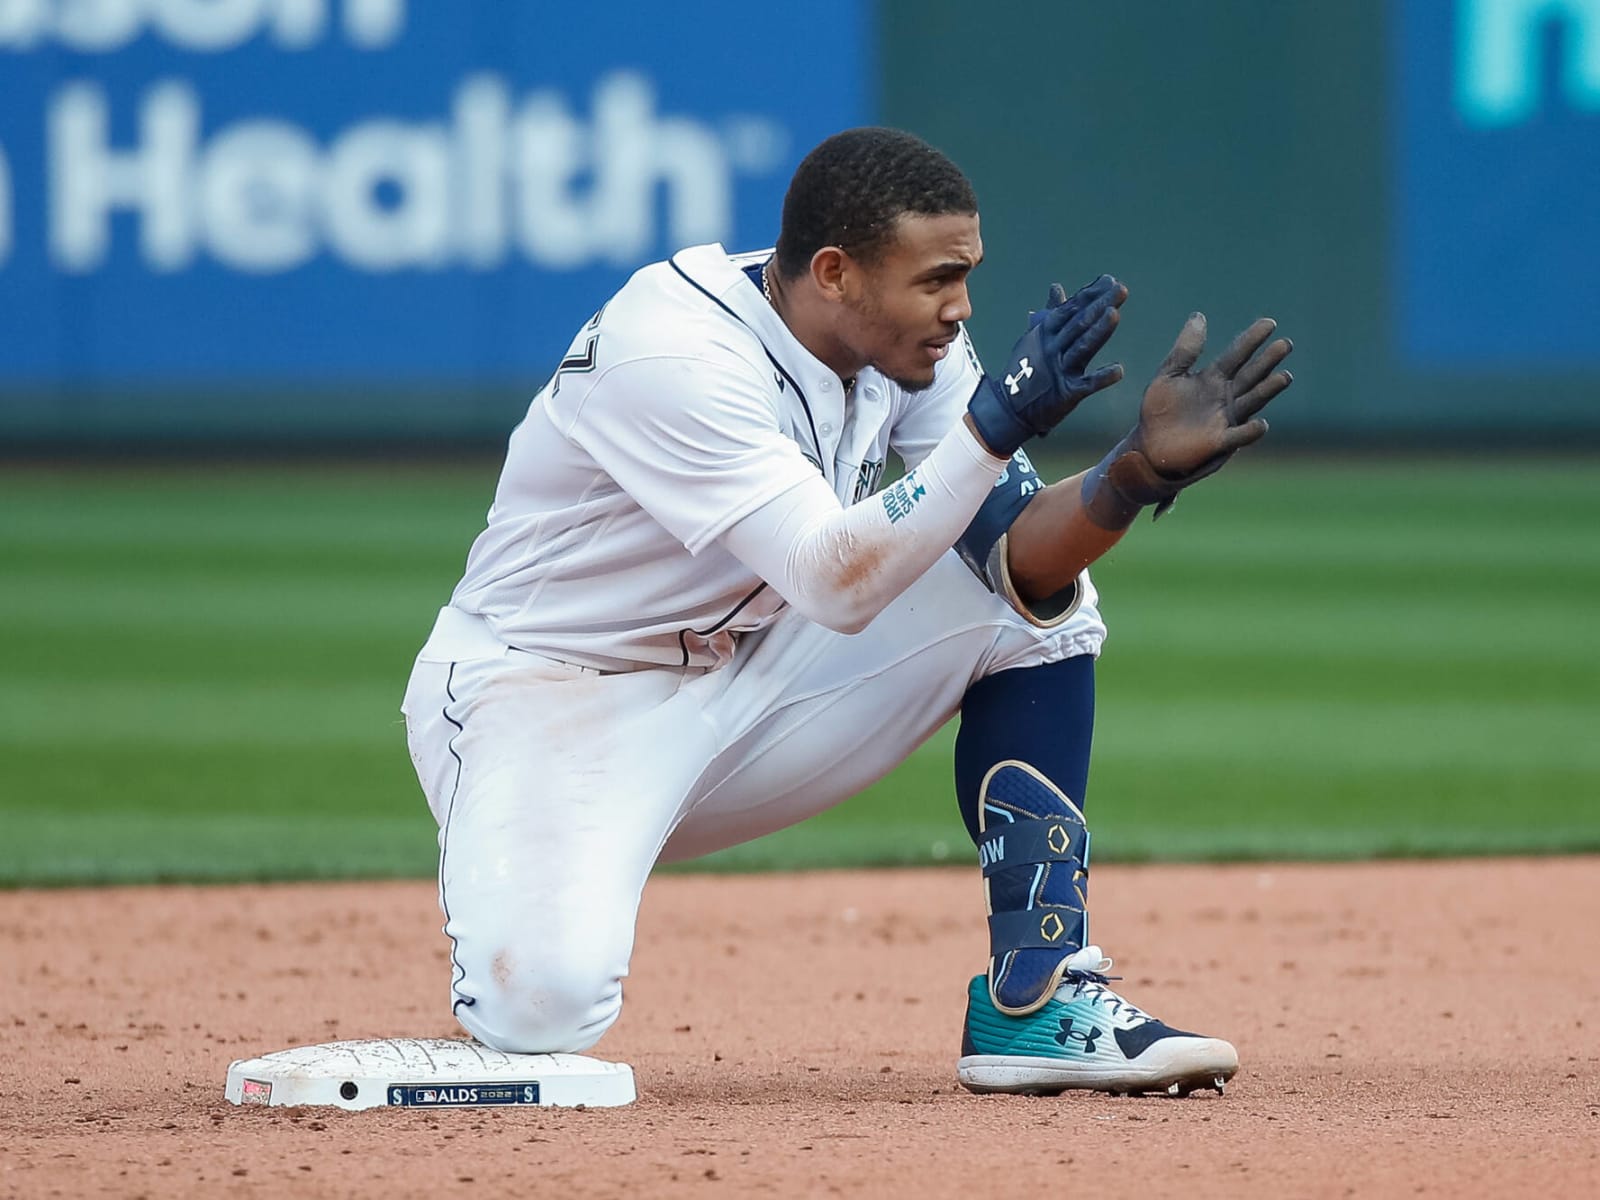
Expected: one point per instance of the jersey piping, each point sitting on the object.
(805, 404)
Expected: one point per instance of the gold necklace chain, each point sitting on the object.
(766, 290)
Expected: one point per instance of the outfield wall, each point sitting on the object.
(371, 220)
(1408, 185)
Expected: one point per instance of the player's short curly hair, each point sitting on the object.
(850, 190)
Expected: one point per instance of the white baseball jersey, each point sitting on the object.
(682, 406)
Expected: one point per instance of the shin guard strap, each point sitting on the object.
(1024, 843)
(1051, 928)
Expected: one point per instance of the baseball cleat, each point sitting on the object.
(1085, 1037)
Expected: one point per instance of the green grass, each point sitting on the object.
(1308, 659)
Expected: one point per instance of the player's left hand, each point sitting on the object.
(1190, 422)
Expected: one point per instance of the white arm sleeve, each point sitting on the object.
(840, 567)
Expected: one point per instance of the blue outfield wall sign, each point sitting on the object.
(209, 193)
(1497, 177)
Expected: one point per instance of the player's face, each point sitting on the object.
(911, 300)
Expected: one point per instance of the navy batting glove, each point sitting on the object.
(1047, 374)
(1058, 296)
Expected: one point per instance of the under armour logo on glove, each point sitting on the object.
(1014, 382)
(1053, 371)
(1069, 1034)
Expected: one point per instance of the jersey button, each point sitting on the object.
(826, 428)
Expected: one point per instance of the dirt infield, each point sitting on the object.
(1404, 1029)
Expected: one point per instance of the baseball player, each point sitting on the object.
(693, 616)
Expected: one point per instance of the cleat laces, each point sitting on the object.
(1086, 976)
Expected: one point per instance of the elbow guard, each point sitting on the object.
(1009, 496)
(983, 546)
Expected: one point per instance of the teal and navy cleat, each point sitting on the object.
(1084, 1037)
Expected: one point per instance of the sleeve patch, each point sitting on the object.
(900, 497)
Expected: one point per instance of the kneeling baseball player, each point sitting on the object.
(693, 618)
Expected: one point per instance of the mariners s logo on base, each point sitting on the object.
(416, 1095)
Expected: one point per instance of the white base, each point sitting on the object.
(426, 1073)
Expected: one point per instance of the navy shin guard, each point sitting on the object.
(1024, 741)
(1035, 857)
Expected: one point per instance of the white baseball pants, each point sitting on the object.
(557, 788)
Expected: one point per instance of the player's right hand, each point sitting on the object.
(1047, 374)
